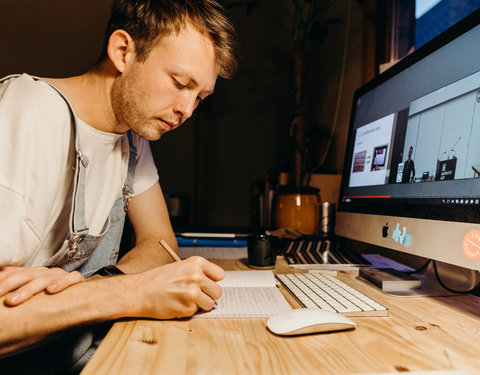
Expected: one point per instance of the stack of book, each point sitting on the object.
(212, 245)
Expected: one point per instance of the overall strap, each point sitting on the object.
(78, 222)
(78, 225)
(132, 159)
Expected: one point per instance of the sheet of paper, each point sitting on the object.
(248, 302)
(248, 294)
(258, 278)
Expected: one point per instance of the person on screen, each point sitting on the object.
(408, 168)
(76, 159)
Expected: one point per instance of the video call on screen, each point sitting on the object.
(421, 126)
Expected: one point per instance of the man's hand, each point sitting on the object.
(179, 289)
(18, 284)
(175, 290)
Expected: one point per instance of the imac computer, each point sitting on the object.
(411, 179)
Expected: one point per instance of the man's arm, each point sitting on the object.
(147, 291)
(171, 291)
(149, 217)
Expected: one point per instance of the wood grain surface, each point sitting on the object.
(420, 333)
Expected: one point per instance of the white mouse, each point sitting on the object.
(307, 320)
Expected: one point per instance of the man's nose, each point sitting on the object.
(186, 106)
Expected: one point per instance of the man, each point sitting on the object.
(75, 156)
(408, 168)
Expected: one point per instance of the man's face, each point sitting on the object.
(159, 94)
(410, 151)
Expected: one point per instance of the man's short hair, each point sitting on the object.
(148, 20)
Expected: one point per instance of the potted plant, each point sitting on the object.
(309, 27)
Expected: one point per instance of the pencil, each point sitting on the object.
(172, 253)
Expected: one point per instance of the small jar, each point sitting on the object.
(297, 208)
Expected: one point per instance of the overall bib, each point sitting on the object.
(83, 252)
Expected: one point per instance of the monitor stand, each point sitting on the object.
(454, 277)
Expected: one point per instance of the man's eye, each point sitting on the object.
(179, 86)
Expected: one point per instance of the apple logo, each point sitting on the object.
(385, 231)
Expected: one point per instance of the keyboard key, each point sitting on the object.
(326, 292)
(318, 250)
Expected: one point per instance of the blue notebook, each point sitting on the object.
(211, 242)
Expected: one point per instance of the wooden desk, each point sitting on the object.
(421, 333)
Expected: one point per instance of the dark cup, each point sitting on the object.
(261, 252)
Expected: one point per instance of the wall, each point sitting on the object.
(250, 122)
(326, 90)
(51, 37)
(250, 119)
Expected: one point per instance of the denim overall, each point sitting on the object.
(85, 253)
(82, 251)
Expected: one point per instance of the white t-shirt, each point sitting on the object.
(36, 171)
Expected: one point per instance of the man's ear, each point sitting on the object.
(120, 49)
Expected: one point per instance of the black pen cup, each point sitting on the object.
(261, 252)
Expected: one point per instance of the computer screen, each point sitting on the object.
(411, 180)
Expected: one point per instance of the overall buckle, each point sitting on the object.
(127, 195)
(74, 240)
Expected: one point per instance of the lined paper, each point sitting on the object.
(265, 279)
(248, 294)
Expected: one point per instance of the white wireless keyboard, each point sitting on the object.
(326, 292)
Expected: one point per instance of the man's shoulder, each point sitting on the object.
(26, 91)
(31, 109)
(26, 97)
